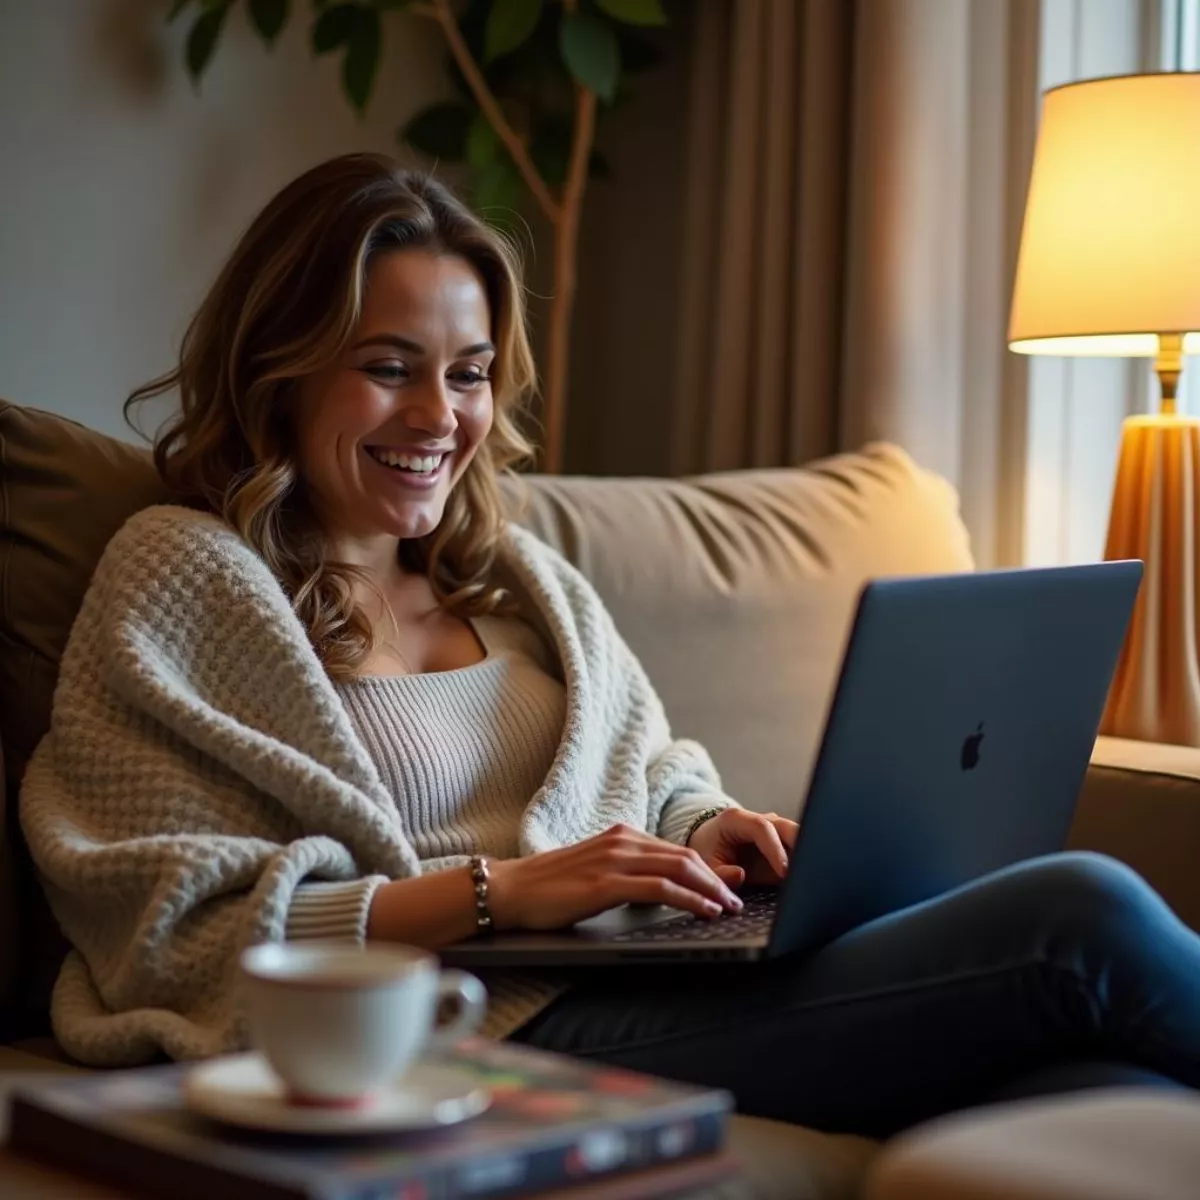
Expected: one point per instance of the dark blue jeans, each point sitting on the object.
(1049, 974)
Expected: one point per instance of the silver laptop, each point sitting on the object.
(956, 743)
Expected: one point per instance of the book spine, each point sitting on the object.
(94, 1153)
(580, 1157)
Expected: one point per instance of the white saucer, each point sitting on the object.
(243, 1090)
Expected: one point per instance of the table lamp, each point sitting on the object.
(1109, 264)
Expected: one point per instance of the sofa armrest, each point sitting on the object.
(1141, 803)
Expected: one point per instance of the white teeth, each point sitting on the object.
(418, 464)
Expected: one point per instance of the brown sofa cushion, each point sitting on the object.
(64, 491)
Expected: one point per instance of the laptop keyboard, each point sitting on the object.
(754, 920)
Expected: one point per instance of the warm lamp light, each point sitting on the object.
(1110, 265)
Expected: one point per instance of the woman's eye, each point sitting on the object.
(387, 372)
(470, 378)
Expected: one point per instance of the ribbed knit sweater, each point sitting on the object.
(202, 786)
(461, 752)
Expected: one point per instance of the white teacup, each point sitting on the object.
(338, 1022)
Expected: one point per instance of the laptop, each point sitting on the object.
(956, 743)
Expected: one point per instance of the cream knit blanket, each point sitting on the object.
(200, 768)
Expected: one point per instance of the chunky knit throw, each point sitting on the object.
(201, 778)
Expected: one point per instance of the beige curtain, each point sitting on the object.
(759, 342)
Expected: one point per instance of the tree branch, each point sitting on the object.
(582, 137)
(566, 253)
(490, 107)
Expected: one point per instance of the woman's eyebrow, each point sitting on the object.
(402, 343)
(391, 339)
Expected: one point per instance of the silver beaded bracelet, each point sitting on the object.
(706, 815)
(479, 880)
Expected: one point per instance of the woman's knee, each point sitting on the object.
(1081, 891)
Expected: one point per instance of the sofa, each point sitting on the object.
(735, 589)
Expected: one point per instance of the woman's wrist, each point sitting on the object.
(701, 818)
(501, 893)
(427, 910)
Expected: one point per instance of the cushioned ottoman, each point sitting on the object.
(1112, 1145)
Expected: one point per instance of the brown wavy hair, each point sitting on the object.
(285, 305)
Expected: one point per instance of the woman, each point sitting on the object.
(334, 694)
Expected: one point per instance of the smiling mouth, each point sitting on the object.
(411, 464)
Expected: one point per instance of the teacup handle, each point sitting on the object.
(472, 998)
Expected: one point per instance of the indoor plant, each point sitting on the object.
(530, 75)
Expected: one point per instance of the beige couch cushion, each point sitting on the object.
(1111, 1145)
(736, 590)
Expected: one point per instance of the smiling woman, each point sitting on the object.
(365, 321)
(333, 693)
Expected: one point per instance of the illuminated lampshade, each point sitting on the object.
(1110, 249)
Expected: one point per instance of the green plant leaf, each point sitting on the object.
(634, 12)
(269, 17)
(334, 27)
(497, 190)
(590, 50)
(176, 9)
(361, 64)
(483, 145)
(509, 25)
(439, 131)
(202, 40)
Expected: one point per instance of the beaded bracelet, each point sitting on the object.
(479, 880)
(706, 815)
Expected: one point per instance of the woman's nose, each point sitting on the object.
(430, 411)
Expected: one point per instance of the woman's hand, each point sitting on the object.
(752, 842)
(620, 866)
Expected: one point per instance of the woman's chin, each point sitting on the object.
(414, 520)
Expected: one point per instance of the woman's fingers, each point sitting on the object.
(765, 837)
(687, 869)
(786, 829)
(731, 875)
(657, 889)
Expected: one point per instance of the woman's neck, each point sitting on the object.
(377, 555)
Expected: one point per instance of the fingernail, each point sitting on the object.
(733, 900)
(712, 906)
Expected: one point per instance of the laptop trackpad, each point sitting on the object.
(627, 917)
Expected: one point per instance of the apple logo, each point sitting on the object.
(969, 758)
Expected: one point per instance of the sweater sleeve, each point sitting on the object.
(170, 823)
(332, 910)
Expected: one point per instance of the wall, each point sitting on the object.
(122, 190)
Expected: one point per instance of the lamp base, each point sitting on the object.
(1155, 516)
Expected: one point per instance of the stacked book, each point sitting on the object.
(552, 1123)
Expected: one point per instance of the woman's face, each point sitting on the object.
(385, 432)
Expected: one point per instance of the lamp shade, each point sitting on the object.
(1110, 248)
